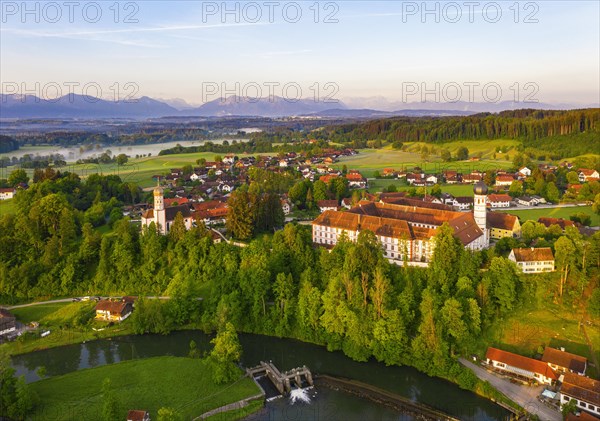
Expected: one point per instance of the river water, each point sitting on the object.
(325, 404)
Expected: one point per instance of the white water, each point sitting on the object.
(299, 395)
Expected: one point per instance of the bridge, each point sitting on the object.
(284, 382)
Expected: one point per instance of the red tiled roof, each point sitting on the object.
(563, 223)
(532, 254)
(581, 387)
(136, 415)
(564, 359)
(499, 198)
(114, 307)
(519, 361)
(327, 203)
(501, 220)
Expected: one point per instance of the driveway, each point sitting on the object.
(526, 396)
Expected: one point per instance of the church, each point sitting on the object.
(163, 217)
(406, 232)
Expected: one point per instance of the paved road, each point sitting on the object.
(68, 300)
(526, 396)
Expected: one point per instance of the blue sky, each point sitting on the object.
(372, 50)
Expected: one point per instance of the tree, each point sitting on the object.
(110, 403)
(122, 159)
(240, 217)
(462, 153)
(226, 353)
(168, 414)
(565, 255)
(177, 231)
(594, 303)
(319, 191)
(445, 155)
(552, 192)
(17, 177)
(436, 190)
(572, 177)
(515, 189)
(596, 204)
(194, 352)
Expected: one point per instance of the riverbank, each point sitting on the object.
(184, 384)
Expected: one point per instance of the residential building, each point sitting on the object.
(137, 415)
(504, 180)
(533, 260)
(355, 179)
(462, 203)
(327, 205)
(562, 223)
(503, 225)
(526, 201)
(563, 361)
(586, 175)
(519, 366)
(524, 172)
(114, 311)
(7, 193)
(585, 392)
(7, 322)
(286, 206)
(499, 200)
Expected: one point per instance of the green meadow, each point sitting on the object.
(184, 384)
(562, 212)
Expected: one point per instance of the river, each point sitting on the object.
(286, 354)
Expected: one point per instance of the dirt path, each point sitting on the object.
(526, 396)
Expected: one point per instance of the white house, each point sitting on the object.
(520, 366)
(286, 206)
(504, 180)
(499, 200)
(325, 205)
(583, 390)
(586, 174)
(524, 172)
(533, 260)
(7, 193)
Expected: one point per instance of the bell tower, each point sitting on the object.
(159, 203)
(480, 191)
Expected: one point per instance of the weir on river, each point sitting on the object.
(300, 376)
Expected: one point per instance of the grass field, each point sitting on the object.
(183, 384)
(37, 313)
(563, 212)
(7, 207)
(454, 189)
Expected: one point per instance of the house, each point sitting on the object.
(504, 180)
(524, 172)
(347, 202)
(503, 225)
(519, 366)
(283, 163)
(7, 322)
(499, 200)
(325, 205)
(355, 179)
(327, 178)
(533, 260)
(586, 175)
(462, 203)
(114, 311)
(286, 206)
(388, 172)
(472, 178)
(562, 223)
(526, 201)
(137, 415)
(563, 361)
(211, 212)
(7, 193)
(585, 392)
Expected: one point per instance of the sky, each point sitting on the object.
(358, 52)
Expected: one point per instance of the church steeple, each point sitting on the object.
(159, 203)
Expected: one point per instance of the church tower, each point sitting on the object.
(480, 191)
(159, 203)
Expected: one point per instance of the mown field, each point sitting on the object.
(381, 184)
(7, 207)
(183, 384)
(38, 312)
(562, 212)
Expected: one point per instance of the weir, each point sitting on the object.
(284, 382)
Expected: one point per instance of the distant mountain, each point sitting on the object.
(367, 113)
(264, 107)
(79, 106)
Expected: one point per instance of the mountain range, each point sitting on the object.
(78, 106)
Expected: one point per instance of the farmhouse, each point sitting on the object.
(564, 362)
(355, 179)
(114, 311)
(162, 216)
(462, 203)
(405, 231)
(7, 322)
(585, 392)
(499, 200)
(503, 225)
(504, 180)
(533, 260)
(7, 193)
(524, 172)
(562, 223)
(586, 174)
(522, 367)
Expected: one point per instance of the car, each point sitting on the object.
(76, 299)
(86, 298)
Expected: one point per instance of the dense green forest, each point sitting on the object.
(351, 299)
(540, 129)
(8, 144)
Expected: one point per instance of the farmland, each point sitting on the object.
(559, 212)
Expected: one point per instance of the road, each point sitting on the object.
(526, 396)
(68, 300)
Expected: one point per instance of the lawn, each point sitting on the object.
(183, 384)
(37, 313)
(381, 184)
(7, 207)
(562, 212)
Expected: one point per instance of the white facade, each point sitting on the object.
(159, 215)
(6, 194)
(591, 407)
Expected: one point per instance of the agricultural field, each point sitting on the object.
(560, 212)
(7, 207)
(38, 312)
(381, 184)
(148, 384)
